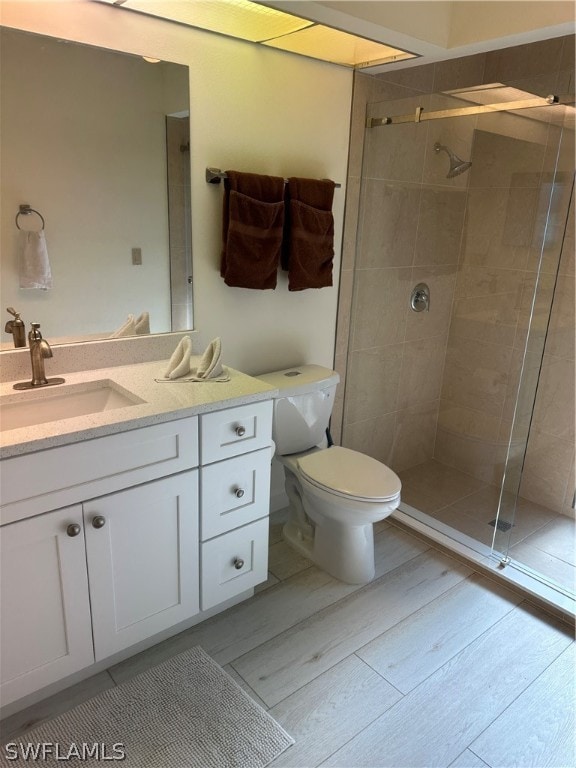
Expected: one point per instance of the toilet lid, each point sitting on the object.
(349, 473)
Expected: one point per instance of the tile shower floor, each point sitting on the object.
(539, 538)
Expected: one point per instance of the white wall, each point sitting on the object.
(252, 109)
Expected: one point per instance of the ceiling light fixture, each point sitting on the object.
(268, 26)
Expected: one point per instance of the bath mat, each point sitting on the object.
(184, 713)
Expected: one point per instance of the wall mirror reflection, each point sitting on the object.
(98, 143)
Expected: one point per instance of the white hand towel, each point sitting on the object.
(224, 376)
(143, 323)
(179, 363)
(210, 366)
(34, 264)
(209, 369)
(127, 329)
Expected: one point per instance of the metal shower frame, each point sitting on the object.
(420, 115)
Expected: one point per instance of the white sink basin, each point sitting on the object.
(39, 406)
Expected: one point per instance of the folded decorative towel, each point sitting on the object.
(209, 368)
(127, 329)
(179, 363)
(142, 323)
(188, 379)
(252, 227)
(33, 261)
(309, 244)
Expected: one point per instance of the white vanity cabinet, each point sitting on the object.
(84, 582)
(80, 583)
(109, 542)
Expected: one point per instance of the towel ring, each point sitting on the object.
(26, 210)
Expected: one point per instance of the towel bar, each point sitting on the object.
(215, 176)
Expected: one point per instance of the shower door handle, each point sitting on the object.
(420, 298)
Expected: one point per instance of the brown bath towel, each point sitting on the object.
(309, 235)
(253, 221)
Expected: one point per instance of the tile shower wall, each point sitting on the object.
(548, 476)
(508, 196)
(441, 384)
(411, 228)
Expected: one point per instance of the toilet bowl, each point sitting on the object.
(342, 493)
(335, 494)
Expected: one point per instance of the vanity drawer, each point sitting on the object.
(234, 492)
(57, 477)
(236, 430)
(233, 563)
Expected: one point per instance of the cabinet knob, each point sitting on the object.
(240, 431)
(238, 492)
(238, 563)
(73, 529)
(98, 521)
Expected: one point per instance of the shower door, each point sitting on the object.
(540, 456)
(471, 203)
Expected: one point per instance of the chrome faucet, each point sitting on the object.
(39, 350)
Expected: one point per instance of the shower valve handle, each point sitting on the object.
(420, 298)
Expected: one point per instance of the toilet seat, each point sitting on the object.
(349, 474)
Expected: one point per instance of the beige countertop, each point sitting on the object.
(161, 402)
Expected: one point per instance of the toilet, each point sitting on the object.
(335, 494)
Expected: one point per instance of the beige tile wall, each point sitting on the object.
(492, 313)
(410, 232)
(444, 383)
(548, 476)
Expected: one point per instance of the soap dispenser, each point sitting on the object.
(17, 328)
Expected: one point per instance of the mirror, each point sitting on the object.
(98, 143)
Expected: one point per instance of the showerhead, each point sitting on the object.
(457, 166)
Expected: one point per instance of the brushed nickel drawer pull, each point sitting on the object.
(98, 521)
(240, 431)
(238, 563)
(238, 492)
(73, 529)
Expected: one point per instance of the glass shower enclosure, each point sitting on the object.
(460, 363)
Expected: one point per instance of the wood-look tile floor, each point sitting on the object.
(431, 664)
(540, 538)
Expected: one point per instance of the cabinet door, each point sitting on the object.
(45, 630)
(142, 550)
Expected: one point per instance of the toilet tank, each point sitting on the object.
(303, 406)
